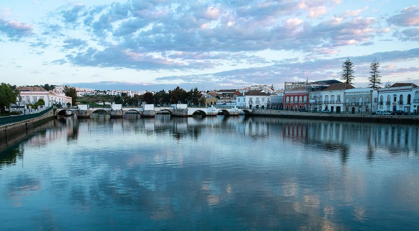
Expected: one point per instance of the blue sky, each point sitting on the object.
(208, 44)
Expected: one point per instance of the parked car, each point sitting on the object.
(380, 112)
(326, 111)
(400, 112)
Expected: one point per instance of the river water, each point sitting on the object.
(211, 173)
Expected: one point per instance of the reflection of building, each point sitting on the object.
(399, 96)
(31, 95)
(291, 130)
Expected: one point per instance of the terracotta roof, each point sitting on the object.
(30, 88)
(238, 93)
(403, 85)
(339, 86)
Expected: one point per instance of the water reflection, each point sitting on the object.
(212, 173)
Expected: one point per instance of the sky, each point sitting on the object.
(214, 44)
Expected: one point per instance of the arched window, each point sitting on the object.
(401, 99)
(409, 99)
(305, 99)
(292, 99)
(300, 99)
(360, 100)
(367, 100)
(394, 98)
(326, 98)
(381, 99)
(288, 99)
(388, 99)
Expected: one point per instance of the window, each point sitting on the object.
(263, 99)
(301, 99)
(288, 99)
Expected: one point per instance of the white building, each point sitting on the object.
(329, 99)
(31, 95)
(399, 96)
(361, 100)
(253, 99)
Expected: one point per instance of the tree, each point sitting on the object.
(71, 92)
(194, 96)
(161, 97)
(118, 99)
(375, 78)
(148, 97)
(8, 95)
(41, 102)
(348, 72)
(178, 95)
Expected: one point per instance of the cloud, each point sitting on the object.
(15, 30)
(280, 72)
(354, 13)
(411, 34)
(407, 17)
(72, 15)
(117, 57)
(72, 43)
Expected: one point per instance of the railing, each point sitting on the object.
(388, 102)
(19, 118)
(326, 101)
(415, 100)
(400, 102)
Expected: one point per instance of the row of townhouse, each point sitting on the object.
(340, 97)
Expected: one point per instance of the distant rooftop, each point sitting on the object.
(30, 88)
(339, 86)
(328, 82)
(404, 85)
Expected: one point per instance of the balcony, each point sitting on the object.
(401, 102)
(415, 100)
(332, 101)
(326, 101)
(338, 101)
(381, 103)
(388, 102)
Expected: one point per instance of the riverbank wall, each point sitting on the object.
(9, 130)
(402, 119)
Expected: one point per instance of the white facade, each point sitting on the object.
(29, 96)
(253, 101)
(331, 100)
(403, 98)
(361, 100)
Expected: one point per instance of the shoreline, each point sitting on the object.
(367, 118)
